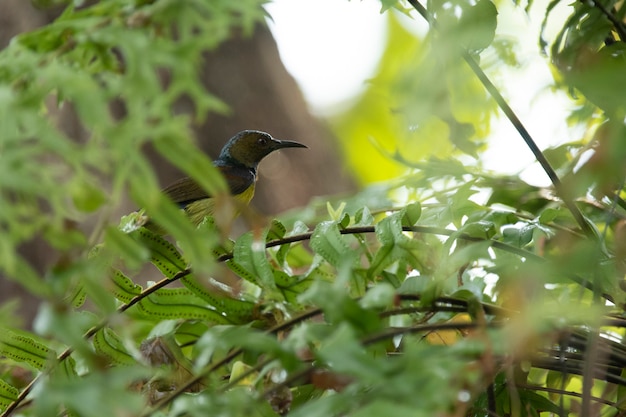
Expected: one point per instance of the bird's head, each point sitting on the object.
(249, 147)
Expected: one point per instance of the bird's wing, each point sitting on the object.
(186, 190)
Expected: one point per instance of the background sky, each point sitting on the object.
(332, 47)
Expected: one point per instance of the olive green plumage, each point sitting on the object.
(238, 162)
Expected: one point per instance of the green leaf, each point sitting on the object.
(481, 229)
(178, 303)
(188, 332)
(178, 149)
(124, 288)
(91, 394)
(8, 394)
(518, 236)
(237, 311)
(557, 380)
(15, 268)
(478, 25)
(109, 345)
(549, 215)
(168, 216)
(596, 73)
(291, 286)
(336, 214)
(127, 247)
(415, 285)
(24, 347)
(250, 255)
(386, 407)
(163, 254)
(387, 4)
(411, 214)
(228, 337)
(537, 403)
(363, 217)
(346, 354)
(340, 308)
(380, 296)
(276, 231)
(86, 196)
(328, 242)
(242, 272)
(395, 245)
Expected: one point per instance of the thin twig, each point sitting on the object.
(491, 400)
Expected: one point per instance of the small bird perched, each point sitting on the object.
(238, 162)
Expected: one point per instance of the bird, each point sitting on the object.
(238, 163)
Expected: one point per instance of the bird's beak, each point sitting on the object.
(289, 144)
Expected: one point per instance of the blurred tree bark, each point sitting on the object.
(248, 75)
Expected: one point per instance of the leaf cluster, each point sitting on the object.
(448, 291)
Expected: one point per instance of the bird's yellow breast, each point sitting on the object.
(200, 209)
(247, 195)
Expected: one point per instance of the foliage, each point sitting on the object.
(447, 291)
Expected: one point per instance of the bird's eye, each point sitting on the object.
(262, 141)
